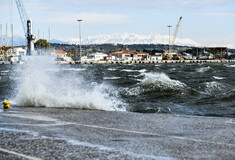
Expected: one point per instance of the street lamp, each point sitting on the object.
(79, 20)
(169, 26)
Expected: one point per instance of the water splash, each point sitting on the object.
(204, 69)
(162, 82)
(46, 84)
(155, 82)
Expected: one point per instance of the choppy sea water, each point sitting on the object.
(206, 89)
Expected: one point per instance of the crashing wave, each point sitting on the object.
(42, 87)
(156, 82)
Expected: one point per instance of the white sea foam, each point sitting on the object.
(129, 70)
(112, 78)
(230, 66)
(142, 70)
(112, 69)
(74, 69)
(156, 82)
(162, 81)
(6, 71)
(40, 87)
(219, 78)
(213, 86)
(203, 69)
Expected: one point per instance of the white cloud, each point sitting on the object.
(55, 4)
(95, 18)
(221, 13)
(151, 3)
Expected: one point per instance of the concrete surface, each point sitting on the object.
(53, 133)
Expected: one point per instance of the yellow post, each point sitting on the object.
(6, 104)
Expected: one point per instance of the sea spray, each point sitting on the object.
(156, 82)
(44, 83)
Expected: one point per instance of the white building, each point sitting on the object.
(19, 52)
(61, 55)
(96, 56)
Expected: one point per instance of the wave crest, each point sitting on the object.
(156, 82)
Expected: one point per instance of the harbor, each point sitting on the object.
(146, 62)
(108, 80)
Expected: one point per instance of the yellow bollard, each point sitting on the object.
(6, 104)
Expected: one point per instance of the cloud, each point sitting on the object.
(151, 3)
(55, 4)
(221, 13)
(91, 18)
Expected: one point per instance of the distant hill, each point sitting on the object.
(18, 41)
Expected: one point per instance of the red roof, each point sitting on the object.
(59, 52)
(129, 52)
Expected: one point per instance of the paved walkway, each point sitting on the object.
(50, 133)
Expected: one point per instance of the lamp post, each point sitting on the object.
(169, 26)
(80, 36)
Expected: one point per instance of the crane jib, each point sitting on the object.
(27, 26)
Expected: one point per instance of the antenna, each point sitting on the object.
(49, 36)
(6, 36)
(12, 39)
(38, 34)
(1, 34)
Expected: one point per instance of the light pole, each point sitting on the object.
(80, 36)
(169, 26)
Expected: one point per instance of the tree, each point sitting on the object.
(42, 44)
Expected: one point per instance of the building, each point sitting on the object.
(19, 52)
(61, 55)
(96, 56)
(130, 55)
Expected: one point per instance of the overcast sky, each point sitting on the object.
(208, 22)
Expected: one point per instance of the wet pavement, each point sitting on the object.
(56, 133)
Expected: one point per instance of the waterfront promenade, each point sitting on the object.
(148, 61)
(52, 133)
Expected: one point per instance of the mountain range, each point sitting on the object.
(115, 38)
(129, 38)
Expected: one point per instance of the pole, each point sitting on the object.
(49, 36)
(6, 35)
(12, 34)
(80, 36)
(169, 26)
(38, 34)
(12, 39)
(1, 34)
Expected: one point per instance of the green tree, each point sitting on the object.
(42, 44)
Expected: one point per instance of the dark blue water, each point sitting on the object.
(206, 89)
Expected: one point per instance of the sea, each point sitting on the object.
(198, 89)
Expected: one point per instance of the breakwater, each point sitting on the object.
(147, 61)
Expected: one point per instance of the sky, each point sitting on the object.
(208, 22)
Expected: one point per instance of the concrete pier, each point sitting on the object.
(147, 62)
(53, 133)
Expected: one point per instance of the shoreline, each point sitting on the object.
(147, 62)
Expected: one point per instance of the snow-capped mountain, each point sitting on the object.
(131, 38)
(116, 38)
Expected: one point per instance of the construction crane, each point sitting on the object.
(167, 56)
(27, 26)
(175, 35)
